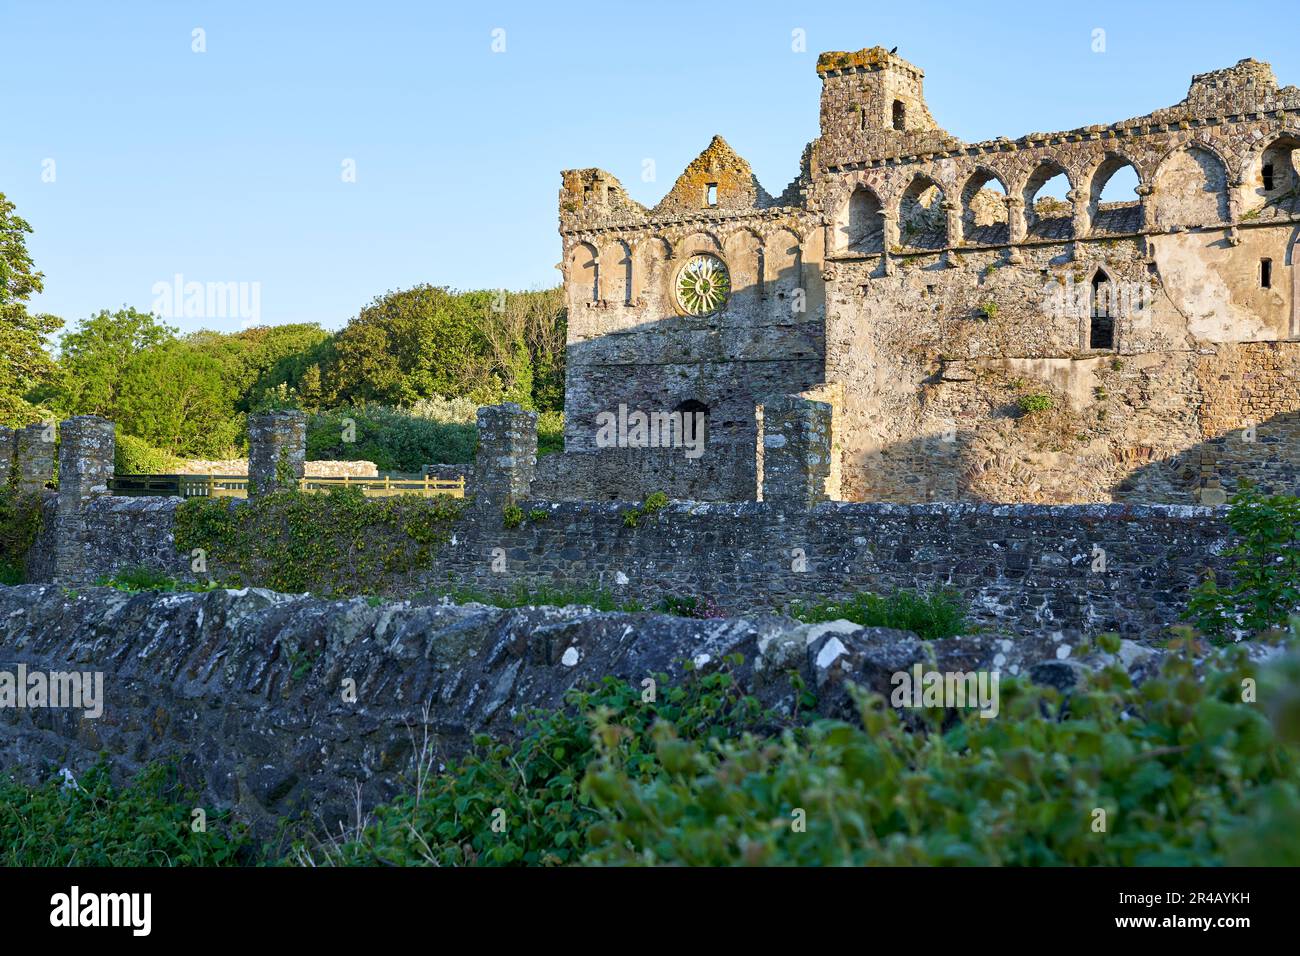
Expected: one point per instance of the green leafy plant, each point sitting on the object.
(90, 822)
(332, 543)
(1179, 771)
(1037, 402)
(1264, 576)
(654, 502)
(135, 580)
(524, 804)
(990, 310)
(512, 516)
(20, 523)
(929, 616)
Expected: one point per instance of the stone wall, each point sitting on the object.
(291, 708)
(1022, 567)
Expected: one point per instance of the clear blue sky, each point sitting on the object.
(226, 166)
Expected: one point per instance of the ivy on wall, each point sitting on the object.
(334, 543)
(20, 523)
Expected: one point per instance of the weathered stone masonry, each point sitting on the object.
(1021, 567)
(927, 279)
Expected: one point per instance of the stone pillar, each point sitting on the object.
(889, 223)
(1079, 217)
(1147, 208)
(35, 456)
(8, 445)
(797, 439)
(277, 451)
(506, 462)
(86, 450)
(1236, 188)
(953, 211)
(1017, 227)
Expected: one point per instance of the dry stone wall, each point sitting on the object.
(289, 708)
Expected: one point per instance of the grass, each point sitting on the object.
(140, 579)
(525, 596)
(929, 616)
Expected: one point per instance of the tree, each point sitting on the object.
(174, 397)
(427, 342)
(95, 356)
(24, 362)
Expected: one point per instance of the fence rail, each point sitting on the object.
(236, 486)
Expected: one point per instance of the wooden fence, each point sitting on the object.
(236, 486)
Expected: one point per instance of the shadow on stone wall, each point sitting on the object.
(1266, 455)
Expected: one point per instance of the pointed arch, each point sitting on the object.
(1112, 216)
(922, 219)
(1191, 187)
(984, 210)
(582, 273)
(859, 224)
(1048, 217)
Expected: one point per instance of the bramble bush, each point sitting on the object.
(1264, 588)
(1185, 771)
(90, 822)
(535, 786)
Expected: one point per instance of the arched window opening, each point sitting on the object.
(1279, 177)
(1048, 213)
(861, 227)
(984, 210)
(900, 116)
(922, 220)
(1101, 321)
(1112, 206)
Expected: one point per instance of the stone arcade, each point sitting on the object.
(924, 289)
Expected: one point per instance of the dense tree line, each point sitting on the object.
(189, 395)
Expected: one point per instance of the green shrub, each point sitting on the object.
(1264, 586)
(92, 823)
(929, 616)
(550, 433)
(512, 516)
(533, 790)
(654, 502)
(435, 431)
(1184, 771)
(1037, 402)
(135, 456)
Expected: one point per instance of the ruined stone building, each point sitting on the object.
(974, 339)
